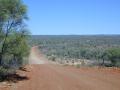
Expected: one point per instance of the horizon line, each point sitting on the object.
(72, 34)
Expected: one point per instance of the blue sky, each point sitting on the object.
(57, 17)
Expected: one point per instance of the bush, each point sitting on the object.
(113, 55)
(13, 36)
(53, 58)
(5, 71)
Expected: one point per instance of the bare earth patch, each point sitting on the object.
(47, 76)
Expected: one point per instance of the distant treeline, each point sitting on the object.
(92, 47)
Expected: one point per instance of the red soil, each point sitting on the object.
(49, 76)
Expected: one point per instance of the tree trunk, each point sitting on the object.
(3, 46)
(0, 59)
(103, 62)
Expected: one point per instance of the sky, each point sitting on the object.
(73, 17)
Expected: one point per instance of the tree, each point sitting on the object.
(113, 55)
(104, 57)
(13, 36)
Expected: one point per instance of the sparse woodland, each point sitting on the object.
(101, 48)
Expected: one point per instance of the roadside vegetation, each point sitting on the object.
(14, 47)
(102, 50)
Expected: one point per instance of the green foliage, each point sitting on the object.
(13, 34)
(52, 57)
(5, 71)
(12, 9)
(78, 47)
(113, 54)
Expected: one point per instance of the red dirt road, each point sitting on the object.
(47, 76)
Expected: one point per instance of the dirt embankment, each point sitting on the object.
(47, 76)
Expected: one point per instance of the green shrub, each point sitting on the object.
(5, 71)
(53, 58)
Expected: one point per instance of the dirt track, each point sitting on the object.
(48, 76)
